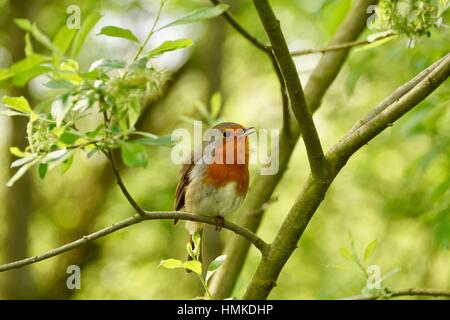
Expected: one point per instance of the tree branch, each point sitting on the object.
(314, 191)
(405, 292)
(109, 154)
(384, 115)
(251, 213)
(340, 46)
(400, 92)
(253, 238)
(294, 88)
(267, 49)
(239, 28)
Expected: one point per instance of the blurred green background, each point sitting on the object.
(395, 190)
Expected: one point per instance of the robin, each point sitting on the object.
(215, 180)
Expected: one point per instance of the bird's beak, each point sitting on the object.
(249, 131)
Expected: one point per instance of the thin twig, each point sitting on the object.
(405, 292)
(268, 50)
(294, 87)
(284, 95)
(167, 215)
(239, 28)
(109, 154)
(152, 31)
(397, 94)
(252, 212)
(384, 116)
(340, 46)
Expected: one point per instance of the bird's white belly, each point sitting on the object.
(212, 201)
(209, 200)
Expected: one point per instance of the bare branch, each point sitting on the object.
(253, 238)
(314, 191)
(251, 213)
(239, 28)
(397, 94)
(284, 96)
(294, 87)
(405, 292)
(340, 46)
(267, 49)
(385, 115)
(109, 154)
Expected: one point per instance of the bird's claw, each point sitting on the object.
(219, 223)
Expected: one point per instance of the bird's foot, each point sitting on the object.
(219, 223)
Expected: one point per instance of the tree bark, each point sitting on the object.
(252, 212)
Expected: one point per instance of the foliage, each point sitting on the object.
(92, 110)
(373, 281)
(195, 265)
(413, 18)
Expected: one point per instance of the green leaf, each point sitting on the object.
(22, 78)
(169, 46)
(369, 250)
(20, 162)
(28, 63)
(214, 266)
(28, 45)
(134, 154)
(60, 109)
(193, 265)
(91, 153)
(347, 254)
(66, 164)
(134, 111)
(20, 173)
(86, 26)
(59, 159)
(10, 113)
(190, 250)
(197, 240)
(24, 24)
(59, 84)
(17, 152)
(68, 138)
(34, 30)
(198, 15)
(17, 103)
(217, 262)
(5, 74)
(113, 31)
(63, 39)
(171, 264)
(107, 64)
(42, 170)
(153, 140)
(54, 156)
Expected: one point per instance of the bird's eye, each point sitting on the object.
(227, 133)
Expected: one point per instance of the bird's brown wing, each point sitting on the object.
(184, 178)
(182, 185)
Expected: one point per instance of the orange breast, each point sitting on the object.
(220, 174)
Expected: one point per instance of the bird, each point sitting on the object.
(218, 183)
